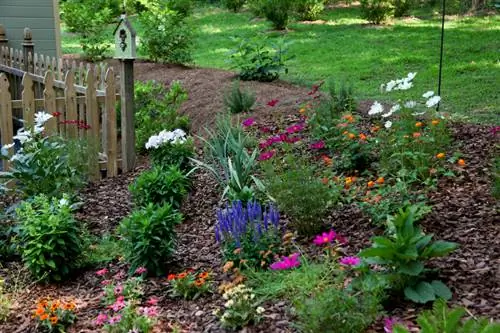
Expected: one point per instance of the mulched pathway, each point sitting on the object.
(463, 211)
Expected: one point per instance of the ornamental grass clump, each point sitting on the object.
(249, 234)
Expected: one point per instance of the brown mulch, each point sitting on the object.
(463, 212)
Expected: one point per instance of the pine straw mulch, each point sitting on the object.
(463, 212)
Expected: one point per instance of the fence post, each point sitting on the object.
(3, 36)
(6, 125)
(127, 114)
(28, 48)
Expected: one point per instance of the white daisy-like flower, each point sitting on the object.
(376, 108)
(42, 117)
(433, 101)
(410, 104)
(428, 94)
(260, 310)
(405, 85)
(395, 108)
(411, 75)
(390, 85)
(388, 124)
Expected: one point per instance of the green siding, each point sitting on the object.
(38, 15)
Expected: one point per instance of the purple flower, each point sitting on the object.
(389, 324)
(248, 122)
(318, 145)
(295, 128)
(115, 319)
(266, 155)
(285, 263)
(350, 261)
(325, 238)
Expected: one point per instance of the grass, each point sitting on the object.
(344, 47)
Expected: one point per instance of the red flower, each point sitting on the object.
(56, 114)
(266, 155)
(272, 102)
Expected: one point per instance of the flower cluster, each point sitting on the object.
(55, 315)
(400, 84)
(292, 261)
(172, 137)
(190, 284)
(81, 124)
(240, 308)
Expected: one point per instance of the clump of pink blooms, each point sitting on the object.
(285, 263)
(350, 261)
(327, 238)
(389, 324)
(248, 122)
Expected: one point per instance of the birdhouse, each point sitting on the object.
(124, 39)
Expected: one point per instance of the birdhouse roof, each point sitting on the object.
(124, 20)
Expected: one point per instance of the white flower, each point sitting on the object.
(405, 85)
(433, 101)
(410, 104)
(388, 124)
(229, 303)
(428, 94)
(42, 117)
(7, 147)
(390, 85)
(16, 157)
(411, 76)
(260, 310)
(395, 108)
(63, 202)
(38, 129)
(175, 136)
(22, 136)
(376, 108)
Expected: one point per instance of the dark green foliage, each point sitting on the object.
(402, 7)
(173, 154)
(309, 10)
(157, 110)
(278, 12)
(234, 5)
(50, 242)
(159, 186)
(238, 100)
(376, 11)
(149, 237)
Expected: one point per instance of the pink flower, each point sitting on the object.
(350, 261)
(119, 304)
(102, 272)
(106, 282)
(101, 319)
(119, 276)
(248, 122)
(292, 139)
(318, 145)
(152, 301)
(115, 319)
(140, 270)
(150, 311)
(295, 128)
(266, 155)
(265, 130)
(118, 289)
(389, 324)
(272, 102)
(291, 261)
(325, 238)
(495, 130)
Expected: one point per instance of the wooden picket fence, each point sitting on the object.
(82, 98)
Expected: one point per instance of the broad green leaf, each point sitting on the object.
(420, 293)
(413, 268)
(441, 290)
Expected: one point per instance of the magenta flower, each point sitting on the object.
(341, 239)
(285, 263)
(140, 270)
(318, 145)
(102, 272)
(248, 122)
(152, 301)
(115, 319)
(263, 145)
(106, 282)
(389, 324)
(495, 130)
(101, 319)
(350, 261)
(292, 139)
(265, 130)
(295, 128)
(272, 102)
(118, 289)
(266, 155)
(150, 311)
(119, 304)
(325, 238)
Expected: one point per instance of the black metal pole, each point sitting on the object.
(442, 51)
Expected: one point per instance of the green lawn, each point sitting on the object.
(344, 47)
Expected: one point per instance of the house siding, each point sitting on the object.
(39, 16)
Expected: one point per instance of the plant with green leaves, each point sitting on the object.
(5, 303)
(341, 97)
(376, 11)
(234, 5)
(309, 10)
(160, 185)
(238, 100)
(171, 148)
(50, 241)
(149, 237)
(278, 12)
(403, 254)
(259, 59)
(441, 319)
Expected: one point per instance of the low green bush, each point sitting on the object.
(171, 148)
(402, 7)
(234, 5)
(237, 100)
(309, 10)
(149, 237)
(376, 11)
(278, 12)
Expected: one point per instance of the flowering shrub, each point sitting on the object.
(248, 234)
(240, 309)
(50, 238)
(55, 315)
(190, 284)
(149, 236)
(160, 186)
(171, 148)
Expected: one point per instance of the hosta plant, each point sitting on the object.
(403, 254)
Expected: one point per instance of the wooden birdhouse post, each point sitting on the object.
(125, 51)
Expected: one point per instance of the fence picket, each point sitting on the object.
(49, 96)
(6, 128)
(70, 98)
(28, 100)
(91, 109)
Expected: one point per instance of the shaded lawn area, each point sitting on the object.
(342, 46)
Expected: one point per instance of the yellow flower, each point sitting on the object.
(440, 155)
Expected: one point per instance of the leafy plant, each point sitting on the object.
(157, 110)
(234, 5)
(376, 11)
(240, 309)
(277, 11)
(149, 236)
(238, 100)
(102, 249)
(403, 254)
(402, 7)
(5, 303)
(341, 100)
(189, 284)
(159, 186)
(55, 315)
(309, 10)
(171, 148)
(249, 235)
(259, 60)
(50, 242)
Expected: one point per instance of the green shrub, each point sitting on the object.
(169, 37)
(234, 5)
(160, 186)
(102, 249)
(50, 242)
(164, 152)
(157, 110)
(376, 11)
(238, 100)
(278, 12)
(5, 303)
(309, 10)
(149, 237)
(402, 7)
(256, 7)
(341, 100)
(183, 7)
(258, 59)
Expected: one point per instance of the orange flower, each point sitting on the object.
(380, 180)
(362, 136)
(351, 136)
(199, 282)
(371, 183)
(375, 128)
(440, 155)
(324, 180)
(171, 277)
(69, 306)
(44, 317)
(302, 111)
(345, 132)
(328, 161)
(55, 306)
(435, 122)
(53, 320)
(417, 135)
(39, 311)
(227, 266)
(419, 124)
(182, 275)
(203, 275)
(461, 162)
(349, 118)
(349, 181)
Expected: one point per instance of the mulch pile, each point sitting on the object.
(463, 211)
